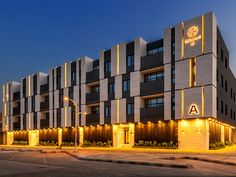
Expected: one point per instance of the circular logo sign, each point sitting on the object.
(192, 31)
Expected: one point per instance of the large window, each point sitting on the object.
(130, 109)
(130, 60)
(73, 76)
(126, 85)
(156, 50)
(107, 111)
(95, 110)
(153, 76)
(154, 102)
(111, 88)
(107, 67)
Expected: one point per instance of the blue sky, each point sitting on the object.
(36, 35)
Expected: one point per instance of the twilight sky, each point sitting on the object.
(37, 35)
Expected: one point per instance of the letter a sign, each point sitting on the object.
(193, 110)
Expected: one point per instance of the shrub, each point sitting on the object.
(216, 145)
(229, 143)
(68, 143)
(48, 143)
(97, 144)
(20, 143)
(155, 144)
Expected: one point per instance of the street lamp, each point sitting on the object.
(76, 118)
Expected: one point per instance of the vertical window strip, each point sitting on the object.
(192, 72)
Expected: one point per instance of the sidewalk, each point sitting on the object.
(141, 156)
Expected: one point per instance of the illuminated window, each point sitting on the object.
(192, 72)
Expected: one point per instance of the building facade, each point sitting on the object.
(178, 88)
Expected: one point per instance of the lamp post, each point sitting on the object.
(76, 118)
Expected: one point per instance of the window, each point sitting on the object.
(231, 114)
(107, 66)
(130, 109)
(58, 81)
(154, 102)
(234, 96)
(222, 81)
(33, 103)
(222, 107)
(58, 116)
(226, 62)
(226, 86)
(73, 76)
(222, 55)
(130, 60)
(153, 77)
(95, 89)
(226, 109)
(26, 105)
(71, 95)
(107, 111)
(231, 93)
(95, 110)
(111, 88)
(155, 50)
(126, 85)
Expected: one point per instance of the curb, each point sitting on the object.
(130, 162)
(208, 160)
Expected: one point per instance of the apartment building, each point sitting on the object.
(179, 88)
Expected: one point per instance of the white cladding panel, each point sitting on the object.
(167, 45)
(118, 87)
(139, 51)
(135, 80)
(104, 90)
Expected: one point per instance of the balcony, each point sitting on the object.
(92, 98)
(44, 123)
(151, 88)
(152, 61)
(44, 106)
(16, 125)
(16, 111)
(44, 89)
(92, 119)
(92, 76)
(152, 114)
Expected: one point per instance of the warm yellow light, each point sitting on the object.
(193, 35)
(198, 122)
(66, 98)
(105, 125)
(149, 122)
(85, 113)
(203, 35)
(183, 123)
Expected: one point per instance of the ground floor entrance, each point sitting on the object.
(196, 134)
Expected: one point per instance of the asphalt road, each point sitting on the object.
(36, 164)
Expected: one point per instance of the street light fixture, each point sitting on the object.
(76, 118)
